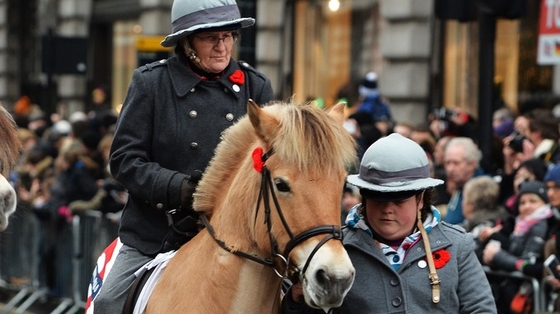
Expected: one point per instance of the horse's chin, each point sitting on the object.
(7, 202)
(318, 298)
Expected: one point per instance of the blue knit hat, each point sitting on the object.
(553, 175)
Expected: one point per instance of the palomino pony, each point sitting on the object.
(9, 154)
(270, 199)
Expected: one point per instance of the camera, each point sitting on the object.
(444, 113)
(516, 142)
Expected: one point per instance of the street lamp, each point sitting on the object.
(334, 5)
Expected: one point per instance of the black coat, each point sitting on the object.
(169, 126)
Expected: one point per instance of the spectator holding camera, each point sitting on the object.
(452, 122)
(542, 131)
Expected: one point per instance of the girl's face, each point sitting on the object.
(393, 220)
(528, 203)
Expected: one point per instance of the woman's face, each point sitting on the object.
(521, 176)
(214, 49)
(393, 220)
(553, 193)
(528, 203)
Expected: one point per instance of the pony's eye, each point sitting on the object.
(281, 185)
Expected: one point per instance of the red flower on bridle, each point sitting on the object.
(238, 77)
(258, 162)
(441, 257)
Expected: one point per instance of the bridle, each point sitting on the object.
(331, 231)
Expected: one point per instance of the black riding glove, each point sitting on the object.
(184, 221)
(188, 187)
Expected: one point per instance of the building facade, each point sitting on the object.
(310, 49)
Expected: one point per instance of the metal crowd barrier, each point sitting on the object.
(19, 260)
(78, 245)
(539, 298)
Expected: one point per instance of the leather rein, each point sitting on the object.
(331, 231)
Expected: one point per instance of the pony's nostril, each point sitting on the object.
(321, 277)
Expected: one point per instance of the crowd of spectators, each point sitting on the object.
(511, 208)
(64, 172)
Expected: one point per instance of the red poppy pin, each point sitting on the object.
(238, 77)
(258, 163)
(441, 257)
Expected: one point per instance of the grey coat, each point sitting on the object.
(169, 126)
(379, 289)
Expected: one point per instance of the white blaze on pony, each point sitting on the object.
(272, 198)
(9, 154)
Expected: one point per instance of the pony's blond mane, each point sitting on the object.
(307, 138)
(11, 146)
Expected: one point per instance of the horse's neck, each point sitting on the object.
(257, 285)
(204, 278)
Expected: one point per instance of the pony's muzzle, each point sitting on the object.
(325, 287)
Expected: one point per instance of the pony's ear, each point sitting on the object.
(337, 112)
(264, 123)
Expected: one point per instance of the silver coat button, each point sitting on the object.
(159, 206)
(193, 114)
(236, 88)
(192, 90)
(229, 116)
(194, 145)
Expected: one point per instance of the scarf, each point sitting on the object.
(395, 257)
(522, 225)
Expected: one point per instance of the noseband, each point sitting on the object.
(331, 231)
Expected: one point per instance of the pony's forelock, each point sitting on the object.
(312, 140)
(307, 138)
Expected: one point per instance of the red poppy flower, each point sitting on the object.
(441, 257)
(238, 77)
(258, 163)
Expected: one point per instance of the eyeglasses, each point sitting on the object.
(213, 40)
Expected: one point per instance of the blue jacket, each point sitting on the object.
(454, 213)
(378, 110)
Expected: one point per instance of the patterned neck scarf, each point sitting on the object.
(395, 257)
(522, 225)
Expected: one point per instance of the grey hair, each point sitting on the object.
(482, 192)
(472, 153)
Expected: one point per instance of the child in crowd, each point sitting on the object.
(523, 251)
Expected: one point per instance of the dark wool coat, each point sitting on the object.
(169, 126)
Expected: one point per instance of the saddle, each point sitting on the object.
(135, 290)
(146, 279)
